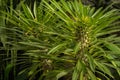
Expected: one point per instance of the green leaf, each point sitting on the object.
(77, 70)
(32, 44)
(77, 47)
(51, 75)
(114, 62)
(82, 75)
(27, 11)
(67, 7)
(22, 74)
(56, 48)
(7, 70)
(91, 62)
(75, 75)
(112, 47)
(97, 12)
(102, 74)
(91, 74)
(34, 10)
(32, 69)
(57, 5)
(103, 68)
(61, 74)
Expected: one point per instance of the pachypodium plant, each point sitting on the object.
(66, 40)
(91, 36)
